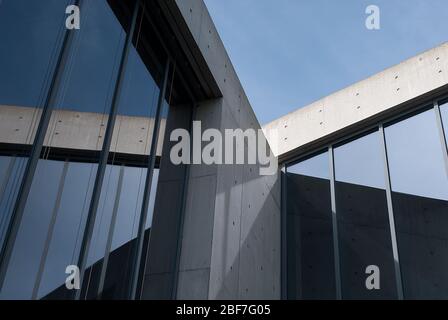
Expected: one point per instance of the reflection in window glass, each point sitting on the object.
(310, 235)
(30, 242)
(30, 37)
(11, 172)
(444, 113)
(85, 97)
(53, 225)
(134, 130)
(118, 279)
(30, 34)
(67, 236)
(416, 158)
(65, 196)
(420, 195)
(362, 214)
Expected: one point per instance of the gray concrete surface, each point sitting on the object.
(238, 232)
(386, 90)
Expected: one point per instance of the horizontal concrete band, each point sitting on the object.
(361, 101)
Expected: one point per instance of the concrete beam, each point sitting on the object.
(361, 101)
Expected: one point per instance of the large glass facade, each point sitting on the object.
(31, 37)
(390, 202)
(310, 235)
(105, 69)
(420, 203)
(363, 222)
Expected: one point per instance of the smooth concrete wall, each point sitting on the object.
(363, 100)
(160, 268)
(230, 245)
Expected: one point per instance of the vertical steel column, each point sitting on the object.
(393, 234)
(30, 169)
(110, 235)
(284, 236)
(441, 134)
(137, 254)
(337, 265)
(90, 223)
(180, 226)
(8, 175)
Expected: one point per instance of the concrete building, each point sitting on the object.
(78, 113)
(366, 187)
(87, 183)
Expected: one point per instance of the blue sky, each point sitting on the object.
(289, 53)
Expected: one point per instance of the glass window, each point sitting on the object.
(76, 131)
(84, 100)
(11, 172)
(133, 136)
(362, 215)
(420, 195)
(444, 112)
(31, 37)
(118, 279)
(67, 235)
(31, 238)
(30, 34)
(311, 273)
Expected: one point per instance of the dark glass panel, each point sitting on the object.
(31, 238)
(78, 125)
(31, 35)
(70, 222)
(363, 222)
(76, 132)
(311, 273)
(444, 112)
(118, 279)
(420, 201)
(133, 136)
(85, 97)
(11, 173)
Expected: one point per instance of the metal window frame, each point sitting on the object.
(432, 104)
(37, 147)
(111, 232)
(31, 166)
(97, 188)
(284, 234)
(138, 249)
(443, 138)
(390, 211)
(334, 219)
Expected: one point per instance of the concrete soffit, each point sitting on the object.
(192, 52)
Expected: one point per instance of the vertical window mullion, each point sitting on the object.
(393, 234)
(110, 235)
(88, 231)
(137, 252)
(284, 237)
(337, 265)
(443, 139)
(31, 166)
